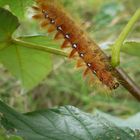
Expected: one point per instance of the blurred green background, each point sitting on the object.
(103, 20)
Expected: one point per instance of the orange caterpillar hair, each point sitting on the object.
(89, 52)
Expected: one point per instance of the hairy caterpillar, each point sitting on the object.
(89, 52)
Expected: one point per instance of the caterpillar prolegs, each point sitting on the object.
(48, 13)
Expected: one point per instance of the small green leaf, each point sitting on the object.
(18, 7)
(63, 123)
(8, 24)
(28, 65)
(131, 48)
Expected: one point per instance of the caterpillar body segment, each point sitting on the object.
(49, 14)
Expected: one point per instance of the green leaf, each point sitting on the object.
(131, 48)
(28, 65)
(8, 24)
(18, 7)
(41, 40)
(63, 123)
(130, 125)
(133, 122)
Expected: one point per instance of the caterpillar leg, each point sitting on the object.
(72, 54)
(51, 28)
(58, 36)
(80, 63)
(86, 72)
(65, 44)
(44, 23)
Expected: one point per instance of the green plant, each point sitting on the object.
(29, 58)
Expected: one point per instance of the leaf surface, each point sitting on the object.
(131, 48)
(8, 24)
(63, 123)
(18, 7)
(30, 66)
(43, 40)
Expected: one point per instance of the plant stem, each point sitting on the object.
(39, 47)
(127, 82)
(119, 42)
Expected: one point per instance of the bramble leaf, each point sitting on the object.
(63, 123)
(41, 40)
(28, 65)
(18, 7)
(8, 24)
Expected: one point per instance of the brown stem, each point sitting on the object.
(128, 83)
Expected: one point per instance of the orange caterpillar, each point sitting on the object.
(89, 52)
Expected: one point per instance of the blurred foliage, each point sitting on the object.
(104, 20)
